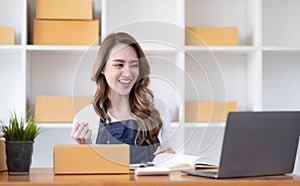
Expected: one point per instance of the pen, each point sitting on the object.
(147, 164)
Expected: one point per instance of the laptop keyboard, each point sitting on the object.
(205, 173)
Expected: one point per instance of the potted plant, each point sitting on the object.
(19, 139)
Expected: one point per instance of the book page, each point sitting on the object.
(176, 162)
(205, 163)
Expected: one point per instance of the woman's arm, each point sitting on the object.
(166, 130)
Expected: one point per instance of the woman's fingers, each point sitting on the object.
(74, 129)
(162, 149)
(81, 127)
(81, 133)
(84, 131)
(89, 137)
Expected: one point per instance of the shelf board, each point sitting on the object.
(62, 48)
(280, 49)
(204, 124)
(157, 47)
(5, 48)
(223, 49)
(174, 124)
(55, 125)
(198, 124)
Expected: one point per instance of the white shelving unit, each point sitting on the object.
(12, 60)
(260, 74)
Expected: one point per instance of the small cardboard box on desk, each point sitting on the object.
(3, 166)
(91, 159)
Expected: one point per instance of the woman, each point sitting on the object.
(123, 101)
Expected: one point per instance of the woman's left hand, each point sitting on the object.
(162, 149)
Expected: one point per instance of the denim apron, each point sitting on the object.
(124, 132)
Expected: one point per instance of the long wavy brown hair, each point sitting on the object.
(140, 96)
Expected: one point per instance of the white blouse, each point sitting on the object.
(88, 114)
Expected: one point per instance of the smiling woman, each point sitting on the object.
(123, 100)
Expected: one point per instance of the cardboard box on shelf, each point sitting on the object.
(59, 108)
(63, 32)
(208, 111)
(3, 166)
(64, 9)
(213, 36)
(98, 159)
(7, 35)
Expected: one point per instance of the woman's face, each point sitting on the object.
(121, 69)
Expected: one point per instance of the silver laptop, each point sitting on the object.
(257, 144)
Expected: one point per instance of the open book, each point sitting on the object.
(178, 162)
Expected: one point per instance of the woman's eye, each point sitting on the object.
(136, 65)
(118, 65)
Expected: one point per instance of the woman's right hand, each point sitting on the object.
(81, 133)
(163, 149)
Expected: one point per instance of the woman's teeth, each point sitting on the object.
(124, 81)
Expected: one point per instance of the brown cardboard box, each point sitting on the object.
(64, 9)
(208, 111)
(3, 166)
(7, 36)
(218, 36)
(59, 108)
(53, 32)
(91, 159)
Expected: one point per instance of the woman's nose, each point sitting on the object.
(126, 71)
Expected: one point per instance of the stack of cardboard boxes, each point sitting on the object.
(65, 22)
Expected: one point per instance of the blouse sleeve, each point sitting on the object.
(166, 115)
(88, 115)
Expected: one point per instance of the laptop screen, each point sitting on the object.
(259, 143)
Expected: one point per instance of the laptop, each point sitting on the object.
(257, 144)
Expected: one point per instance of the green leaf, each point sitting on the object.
(18, 130)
